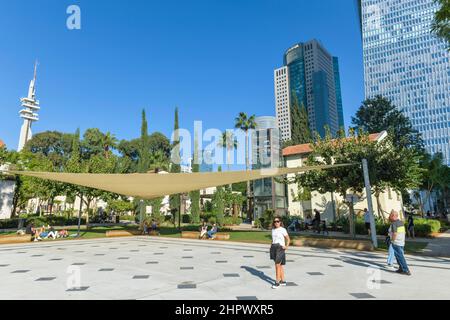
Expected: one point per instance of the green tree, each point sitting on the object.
(246, 123)
(229, 143)
(175, 167)
(441, 22)
(434, 177)
(158, 142)
(389, 166)
(301, 132)
(144, 152)
(54, 145)
(379, 114)
(109, 142)
(92, 143)
(195, 194)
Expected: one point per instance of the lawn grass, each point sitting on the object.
(411, 247)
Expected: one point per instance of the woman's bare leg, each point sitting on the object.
(278, 272)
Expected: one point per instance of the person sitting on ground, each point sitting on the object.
(213, 231)
(63, 233)
(203, 230)
(52, 233)
(43, 233)
(31, 230)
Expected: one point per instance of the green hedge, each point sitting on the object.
(422, 227)
(232, 221)
(56, 221)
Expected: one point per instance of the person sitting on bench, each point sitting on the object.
(203, 230)
(212, 232)
(154, 226)
(308, 222)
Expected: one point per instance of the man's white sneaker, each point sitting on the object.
(283, 283)
(276, 286)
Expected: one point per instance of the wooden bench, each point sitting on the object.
(122, 233)
(361, 245)
(196, 235)
(14, 238)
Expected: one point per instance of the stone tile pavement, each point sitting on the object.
(161, 268)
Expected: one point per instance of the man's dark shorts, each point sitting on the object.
(367, 225)
(278, 254)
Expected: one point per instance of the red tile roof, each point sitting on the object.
(306, 148)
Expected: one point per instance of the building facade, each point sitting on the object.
(310, 74)
(331, 205)
(266, 154)
(406, 63)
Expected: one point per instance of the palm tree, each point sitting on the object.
(441, 25)
(109, 142)
(159, 161)
(245, 123)
(228, 142)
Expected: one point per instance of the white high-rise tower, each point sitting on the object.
(28, 113)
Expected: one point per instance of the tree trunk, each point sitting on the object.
(51, 205)
(249, 214)
(379, 209)
(352, 220)
(79, 214)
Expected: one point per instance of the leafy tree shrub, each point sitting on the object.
(208, 206)
(267, 218)
(186, 218)
(232, 221)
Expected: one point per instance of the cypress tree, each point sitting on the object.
(195, 195)
(175, 167)
(144, 150)
(143, 164)
(301, 132)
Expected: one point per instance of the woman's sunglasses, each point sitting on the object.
(276, 221)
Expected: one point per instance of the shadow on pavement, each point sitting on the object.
(259, 274)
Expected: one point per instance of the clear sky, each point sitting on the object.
(211, 58)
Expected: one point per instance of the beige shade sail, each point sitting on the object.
(152, 185)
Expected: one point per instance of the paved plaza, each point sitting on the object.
(161, 268)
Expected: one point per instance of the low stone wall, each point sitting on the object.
(10, 239)
(361, 245)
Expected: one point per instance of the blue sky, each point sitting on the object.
(211, 58)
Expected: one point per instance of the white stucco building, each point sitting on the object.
(330, 205)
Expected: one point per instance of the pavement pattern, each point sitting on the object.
(154, 268)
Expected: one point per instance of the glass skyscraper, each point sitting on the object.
(266, 153)
(311, 75)
(406, 63)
